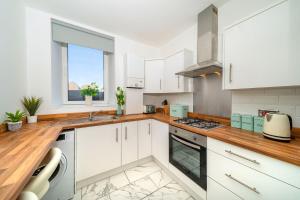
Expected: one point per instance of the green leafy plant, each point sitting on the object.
(31, 104)
(90, 90)
(15, 117)
(120, 94)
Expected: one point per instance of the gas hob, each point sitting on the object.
(198, 123)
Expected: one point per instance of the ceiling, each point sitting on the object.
(152, 22)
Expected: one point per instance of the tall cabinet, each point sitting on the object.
(260, 51)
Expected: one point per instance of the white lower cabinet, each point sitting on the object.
(144, 138)
(160, 142)
(246, 182)
(215, 191)
(98, 149)
(129, 142)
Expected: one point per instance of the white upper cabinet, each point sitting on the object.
(144, 138)
(260, 51)
(176, 63)
(134, 71)
(154, 76)
(98, 149)
(129, 142)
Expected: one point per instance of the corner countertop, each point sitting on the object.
(21, 152)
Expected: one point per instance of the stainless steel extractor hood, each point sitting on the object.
(207, 45)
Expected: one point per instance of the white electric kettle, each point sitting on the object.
(278, 126)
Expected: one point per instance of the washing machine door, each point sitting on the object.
(59, 172)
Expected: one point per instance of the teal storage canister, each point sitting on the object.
(247, 122)
(258, 124)
(177, 110)
(236, 120)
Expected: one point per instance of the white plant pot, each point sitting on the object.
(88, 100)
(14, 126)
(31, 119)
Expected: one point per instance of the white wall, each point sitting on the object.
(39, 59)
(12, 56)
(185, 40)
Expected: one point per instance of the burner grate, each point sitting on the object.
(198, 123)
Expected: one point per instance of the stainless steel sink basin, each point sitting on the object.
(103, 117)
(94, 118)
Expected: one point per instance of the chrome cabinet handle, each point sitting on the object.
(230, 73)
(243, 157)
(126, 133)
(243, 184)
(160, 84)
(149, 128)
(178, 82)
(117, 135)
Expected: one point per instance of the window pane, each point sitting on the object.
(85, 65)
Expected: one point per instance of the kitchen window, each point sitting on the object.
(83, 66)
(85, 57)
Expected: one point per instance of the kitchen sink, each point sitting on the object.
(103, 117)
(93, 119)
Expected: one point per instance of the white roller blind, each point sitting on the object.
(68, 33)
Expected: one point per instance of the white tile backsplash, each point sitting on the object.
(290, 100)
(280, 91)
(298, 111)
(286, 100)
(265, 100)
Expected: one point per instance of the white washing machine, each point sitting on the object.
(62, 182)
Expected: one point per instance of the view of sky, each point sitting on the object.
(85, 65)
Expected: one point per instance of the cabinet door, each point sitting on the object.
(134, 66)
(160, 142)
(98, 150)
(258, 52)
(216, 192)
(144, 138)
(154, 70)
(129, 142)
(174, 64)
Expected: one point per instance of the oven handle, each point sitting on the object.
(185, 143)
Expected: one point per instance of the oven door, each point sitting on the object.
(189, 158)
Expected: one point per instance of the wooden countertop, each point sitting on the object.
(22, 151)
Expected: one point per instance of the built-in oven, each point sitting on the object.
(187, 152)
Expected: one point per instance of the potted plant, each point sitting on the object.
(89, 91)
(120, 100)
(31, 104)
(14, 120)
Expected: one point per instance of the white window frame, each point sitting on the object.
(65, 83)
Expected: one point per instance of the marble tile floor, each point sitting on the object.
(147, 182)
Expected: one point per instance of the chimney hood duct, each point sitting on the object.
(207, 45)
